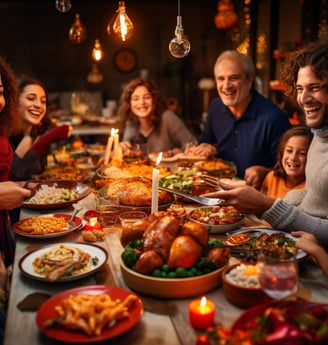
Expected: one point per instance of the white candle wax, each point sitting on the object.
(116, 146)
(108, 149)
(155, 185)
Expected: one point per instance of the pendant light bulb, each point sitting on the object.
(179, 45)
(121, 25)
(77, 32)
(63, 5)
(97, 52)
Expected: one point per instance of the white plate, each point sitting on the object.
(26, 262)
(184, 156)
(153, 158)
(300, 254)
(78, 221)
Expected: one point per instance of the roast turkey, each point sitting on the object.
(134, 191)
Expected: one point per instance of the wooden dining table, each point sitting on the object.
(164, 322)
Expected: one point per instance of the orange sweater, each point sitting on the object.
(275, 186)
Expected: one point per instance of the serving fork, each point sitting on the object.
(77, 209)
(196, 198)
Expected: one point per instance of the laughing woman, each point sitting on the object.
(146, 120)
(32, 144)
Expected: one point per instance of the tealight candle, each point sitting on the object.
(92, 224)
(201, 313)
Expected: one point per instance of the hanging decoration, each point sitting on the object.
(63, 5)
(179, 45)
(121, 25)
(243, 47)
(95, 76)
(323, 23)
(226, 18)
(77, 33)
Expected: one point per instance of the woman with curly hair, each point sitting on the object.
(146, 120)
(32, 144)
(10, 123)
(289, 170)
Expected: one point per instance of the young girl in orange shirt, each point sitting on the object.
(289, 170)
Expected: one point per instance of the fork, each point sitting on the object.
(199, 199)
(77, 209)
(211, 181)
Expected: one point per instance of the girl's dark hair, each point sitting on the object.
(10, 120)
(124, 110)
(278, 169)
(46, 122)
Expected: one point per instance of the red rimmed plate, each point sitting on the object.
(17, 227)
(26, 262)
(47, 312)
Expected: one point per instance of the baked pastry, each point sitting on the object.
(134, 191)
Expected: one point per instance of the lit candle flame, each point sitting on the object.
(114, 131)
(203, 302)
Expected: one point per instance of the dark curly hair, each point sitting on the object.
(278, 169)
(124, 110)
(10, 121)
(314, 55)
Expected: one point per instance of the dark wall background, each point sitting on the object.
(34, 40)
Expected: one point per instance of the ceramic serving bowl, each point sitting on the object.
(215, 218)
(171, 287)
(242, 296)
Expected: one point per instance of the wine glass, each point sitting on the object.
(278, 275)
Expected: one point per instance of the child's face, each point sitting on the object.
(294, 157)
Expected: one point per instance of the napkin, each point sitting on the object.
(33, 301)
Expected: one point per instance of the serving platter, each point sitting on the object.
(245, 320)
(18, 226)
(26, 262)
(171, 287)
(80, 189)
(255, 233)
(47, 312)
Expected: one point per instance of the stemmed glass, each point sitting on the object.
(278, 275)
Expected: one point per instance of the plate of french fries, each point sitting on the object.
(89, 314)
(63, 262)
(47, 225)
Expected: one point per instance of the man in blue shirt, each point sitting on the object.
(242, 126)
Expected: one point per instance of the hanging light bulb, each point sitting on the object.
(97, 52)
(77, 32)
(63, 5)
(179, 45)
(120, 25)
(95, 76)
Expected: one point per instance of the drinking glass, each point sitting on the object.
(129, 217)
(108, 213)
(278, 275)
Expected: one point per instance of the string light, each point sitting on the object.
(179, 45)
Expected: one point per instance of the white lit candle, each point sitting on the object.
(109, 146)
(155, 185)
(116, 144)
